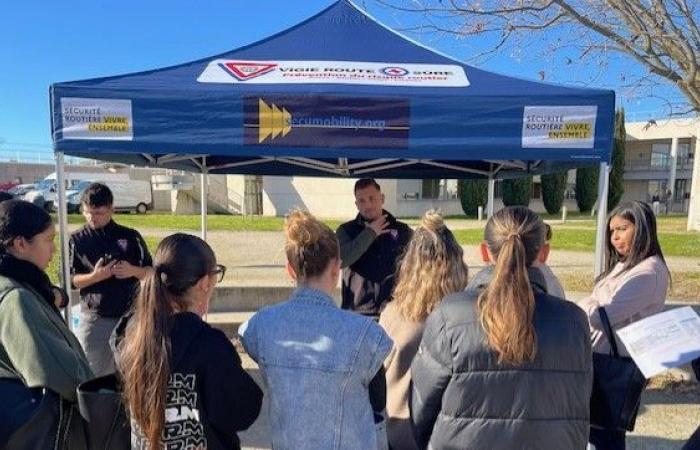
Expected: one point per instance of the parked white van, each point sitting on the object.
(132, 195)
(45, 192)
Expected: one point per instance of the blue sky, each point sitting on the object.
(45, 41)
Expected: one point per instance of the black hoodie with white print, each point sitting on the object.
(209, 397)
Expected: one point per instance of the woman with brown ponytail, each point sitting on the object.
(322, 365)
(504, 365)
(183, 381)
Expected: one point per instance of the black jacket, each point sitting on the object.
(463, 399)
(369, 281)
(210, 397)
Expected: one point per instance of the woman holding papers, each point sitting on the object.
(632, 286)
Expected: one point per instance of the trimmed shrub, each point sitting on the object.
(472, 194)
(517, 191)
(586, 187)
(553, 188)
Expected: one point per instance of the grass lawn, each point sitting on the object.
(577, 234)
(583, 240)
(215, 222)
(684, 285)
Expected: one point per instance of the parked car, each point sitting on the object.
(45, 192)
(20, 190)
(132, 195)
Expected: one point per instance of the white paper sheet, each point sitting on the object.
(662, 341)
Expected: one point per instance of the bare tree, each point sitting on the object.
(661, 35)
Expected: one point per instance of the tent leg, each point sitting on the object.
(204, 197)
(603, 181)
(63, 233)
(491, 194)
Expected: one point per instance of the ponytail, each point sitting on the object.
(144, 354)
(145, 359)
(514, 236)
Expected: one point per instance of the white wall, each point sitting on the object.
(323, 197)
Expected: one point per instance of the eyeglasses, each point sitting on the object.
(220, 272)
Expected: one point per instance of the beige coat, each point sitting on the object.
(627, 298)
(406, 336)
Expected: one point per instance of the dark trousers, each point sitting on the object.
(606, 439)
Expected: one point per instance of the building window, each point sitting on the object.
(498, 189)
(679, 192)
(660, 155)
(439, 189)
(570, 192)
(536, 190)
(431, 189)
(656, 189)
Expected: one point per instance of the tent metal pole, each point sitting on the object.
(204, 197)
(491, 194)
(63, 233)
(603, 182)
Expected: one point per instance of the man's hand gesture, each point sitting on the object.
(379, 225)
(102, 271)
(123, 270)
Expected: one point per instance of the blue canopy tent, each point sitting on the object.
(338, 95)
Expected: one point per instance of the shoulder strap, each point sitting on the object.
(607, 329)
(4, 293)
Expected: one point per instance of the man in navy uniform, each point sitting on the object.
(107, 262)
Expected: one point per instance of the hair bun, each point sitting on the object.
(302, 229)
(432, 220)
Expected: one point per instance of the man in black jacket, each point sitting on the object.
(107, 262)
(369, 248)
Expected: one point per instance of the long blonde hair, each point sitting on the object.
(431, 268)
(514, 236)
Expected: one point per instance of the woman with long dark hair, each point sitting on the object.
(504, 365)
(322, 365)
(37, 350)
(431, 268)
(632, 286)
(183, 381)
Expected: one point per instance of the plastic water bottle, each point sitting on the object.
(75, 316)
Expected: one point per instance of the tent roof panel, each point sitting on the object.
(236, 114)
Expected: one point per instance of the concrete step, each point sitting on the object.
(228, 322)
(251, 298)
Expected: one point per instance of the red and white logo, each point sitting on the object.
(394, 71)
(244, 70)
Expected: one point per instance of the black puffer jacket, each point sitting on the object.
(463, 399)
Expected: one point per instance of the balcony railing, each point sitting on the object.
(646, 166)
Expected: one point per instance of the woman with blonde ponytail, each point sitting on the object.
(431, 268)
(503, 364)
(183, 383)
(322, 365)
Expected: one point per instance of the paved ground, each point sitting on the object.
(257, 258)
(666, 419)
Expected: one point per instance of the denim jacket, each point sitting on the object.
(317, 361)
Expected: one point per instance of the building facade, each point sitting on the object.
(659, 159)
